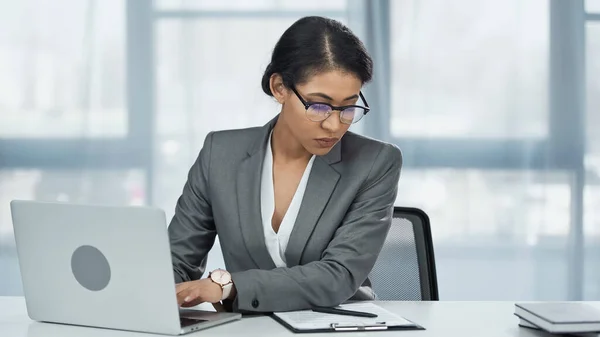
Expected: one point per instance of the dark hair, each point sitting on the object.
(315, 44)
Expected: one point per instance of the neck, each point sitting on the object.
(285, 148)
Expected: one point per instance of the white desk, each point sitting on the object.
(488, 319)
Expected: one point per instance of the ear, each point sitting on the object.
(278, 89)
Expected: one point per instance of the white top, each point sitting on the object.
(277, 242)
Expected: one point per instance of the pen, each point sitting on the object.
(344, 312)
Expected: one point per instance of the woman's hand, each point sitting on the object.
(192, 293)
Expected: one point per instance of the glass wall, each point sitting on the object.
(109, 102)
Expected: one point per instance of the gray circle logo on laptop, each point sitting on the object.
(90, 268)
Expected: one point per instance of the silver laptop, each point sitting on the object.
(101, 266)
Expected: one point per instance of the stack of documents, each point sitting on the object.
(560, 317)
(310, 321)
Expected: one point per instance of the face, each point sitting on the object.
(336, 88)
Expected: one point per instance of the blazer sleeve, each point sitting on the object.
(192, 230)
(347, 260)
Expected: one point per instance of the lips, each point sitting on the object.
(326, 142)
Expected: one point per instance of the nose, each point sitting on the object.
(332, 123)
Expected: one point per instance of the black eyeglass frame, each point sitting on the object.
(307, 104)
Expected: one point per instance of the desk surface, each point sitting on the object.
(439, 319)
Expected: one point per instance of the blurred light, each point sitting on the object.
(137, 196)
(171, 147)
(433, 193)
(62, 197)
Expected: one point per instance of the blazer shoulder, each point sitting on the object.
(234, 136)
(370, 147)
(233, 143)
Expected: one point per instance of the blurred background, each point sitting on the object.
(494, 104)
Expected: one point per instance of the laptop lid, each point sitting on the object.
(96, 266)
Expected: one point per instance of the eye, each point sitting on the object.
(352, 115)
(320, 108)
(318, 112)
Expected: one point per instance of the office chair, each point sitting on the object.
(405, 268)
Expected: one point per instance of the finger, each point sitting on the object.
(192, 303)
(189, 296)
(182, 295)
(179, 300)
(193, 295)
(192, 299)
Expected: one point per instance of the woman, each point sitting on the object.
(301, 206)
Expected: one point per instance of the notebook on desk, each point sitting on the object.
(559, 317)
(305, 321)
(526, 324)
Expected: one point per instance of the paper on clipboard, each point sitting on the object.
(310, 320)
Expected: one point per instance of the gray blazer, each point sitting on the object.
(341, 226)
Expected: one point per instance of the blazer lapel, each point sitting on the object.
(321, 184)
(248, 199)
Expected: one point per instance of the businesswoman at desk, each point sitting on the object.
(301, 206)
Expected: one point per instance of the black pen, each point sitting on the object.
(344, 312)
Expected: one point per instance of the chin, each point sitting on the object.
(321, 151)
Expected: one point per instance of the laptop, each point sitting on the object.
(101, 266)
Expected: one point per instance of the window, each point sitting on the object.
(592, 92)
(478, 207)
(66, 129)
(483, 148)
(63, 72)
(255, 5)
(592, 161)
(592, 6)
(474, 69)
(116, 109)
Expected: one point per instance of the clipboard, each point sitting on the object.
(306, 321)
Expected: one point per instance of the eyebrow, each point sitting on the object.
(322, 95)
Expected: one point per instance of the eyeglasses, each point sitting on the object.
(318, 112)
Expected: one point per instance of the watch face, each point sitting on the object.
(221, 276)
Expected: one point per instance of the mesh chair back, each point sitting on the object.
(405, 268)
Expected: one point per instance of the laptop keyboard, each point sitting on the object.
(185, 321)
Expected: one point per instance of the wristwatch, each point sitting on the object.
(223, 278)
